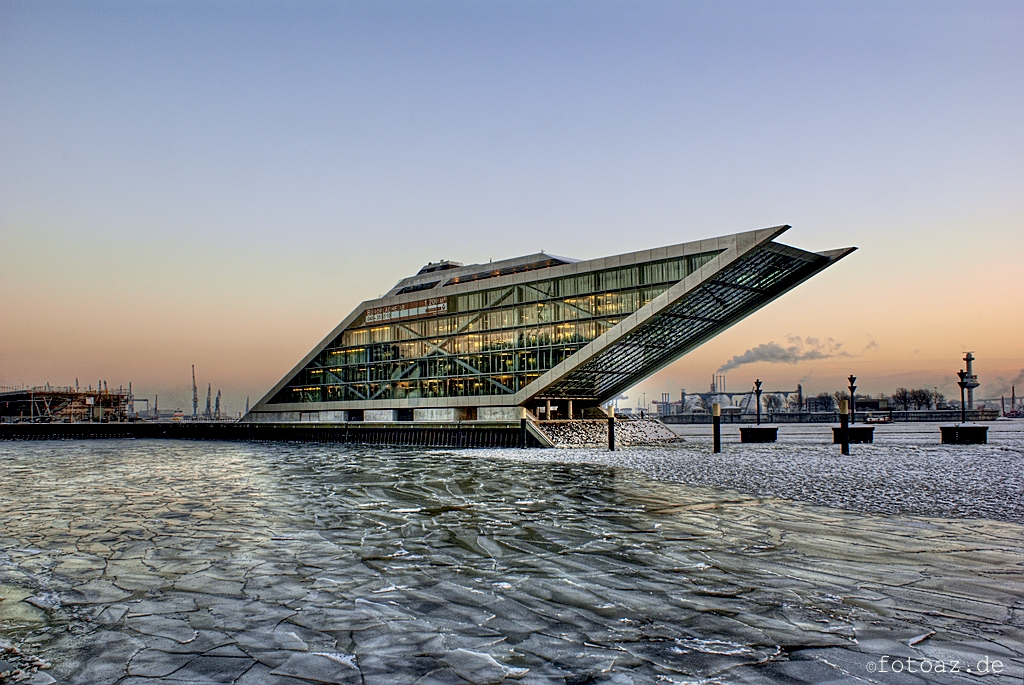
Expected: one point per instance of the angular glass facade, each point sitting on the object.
(492, 341)
(736, 291)
(524, 333)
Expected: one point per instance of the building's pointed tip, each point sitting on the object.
(837, 254)
(758, 237)
(781, 228)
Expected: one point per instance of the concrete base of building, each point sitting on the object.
(444, 414)
(425, 415)
(500, 413)
(274, 416)
(323, 416)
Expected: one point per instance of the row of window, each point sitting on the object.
(411, 389)
(537, 336)
(522, 331)
(664, 271)
(574, 309)
(438, 367)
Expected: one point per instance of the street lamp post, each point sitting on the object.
(963, 401)
(757, 391)
(853, 398)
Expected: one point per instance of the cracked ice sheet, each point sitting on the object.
(221, 562)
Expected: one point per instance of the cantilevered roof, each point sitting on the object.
(683, 318)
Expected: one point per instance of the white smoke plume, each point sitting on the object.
(796, 350)
(1001, 386)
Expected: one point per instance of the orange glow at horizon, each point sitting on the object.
(245, 334)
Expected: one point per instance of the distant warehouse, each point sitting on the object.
(552, 336)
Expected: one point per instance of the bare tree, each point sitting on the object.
(922, 399)
(826, 401)
(840, 396)
(902, 398)
(938, 398)
(773, 404)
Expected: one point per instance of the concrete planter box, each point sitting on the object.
(857, 435)
(964, 434)
(759, 434)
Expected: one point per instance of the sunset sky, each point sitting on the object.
(220, 183)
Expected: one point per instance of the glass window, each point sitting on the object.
(488, 342)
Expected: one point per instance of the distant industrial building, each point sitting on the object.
(46, 404)
(552, 336)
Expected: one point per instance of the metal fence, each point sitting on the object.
(952, 415)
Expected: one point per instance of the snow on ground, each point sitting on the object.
(905, 472)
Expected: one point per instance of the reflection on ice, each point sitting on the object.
(207, 562)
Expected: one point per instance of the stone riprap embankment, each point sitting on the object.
(594, 433)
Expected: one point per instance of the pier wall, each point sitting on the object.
(474, 434)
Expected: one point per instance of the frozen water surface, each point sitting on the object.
(152, 561)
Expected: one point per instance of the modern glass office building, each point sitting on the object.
(551, 335)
